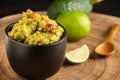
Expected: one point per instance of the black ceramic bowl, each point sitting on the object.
(32, 61)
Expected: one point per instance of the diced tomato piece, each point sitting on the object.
(51, 26)
(32, 15)
(38, 42)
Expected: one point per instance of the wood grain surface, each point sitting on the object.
(95, 68)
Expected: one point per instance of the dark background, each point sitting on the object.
(8, 7)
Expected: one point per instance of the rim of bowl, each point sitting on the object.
(8, 28)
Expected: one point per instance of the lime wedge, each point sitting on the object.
(78, 55)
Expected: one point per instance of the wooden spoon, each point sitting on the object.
(107, 47)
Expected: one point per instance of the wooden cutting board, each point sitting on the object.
(95, 68)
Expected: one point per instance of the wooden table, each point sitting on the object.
(95, 68)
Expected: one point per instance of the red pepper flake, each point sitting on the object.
(51, 26)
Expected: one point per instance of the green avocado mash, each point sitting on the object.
(36, 29)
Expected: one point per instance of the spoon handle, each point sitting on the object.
(113, 31)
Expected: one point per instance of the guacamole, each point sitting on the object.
(36, 29)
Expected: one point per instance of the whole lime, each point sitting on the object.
(77, 24)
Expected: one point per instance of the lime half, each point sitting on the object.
(78, 55)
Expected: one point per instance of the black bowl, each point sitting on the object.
(32, 61)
